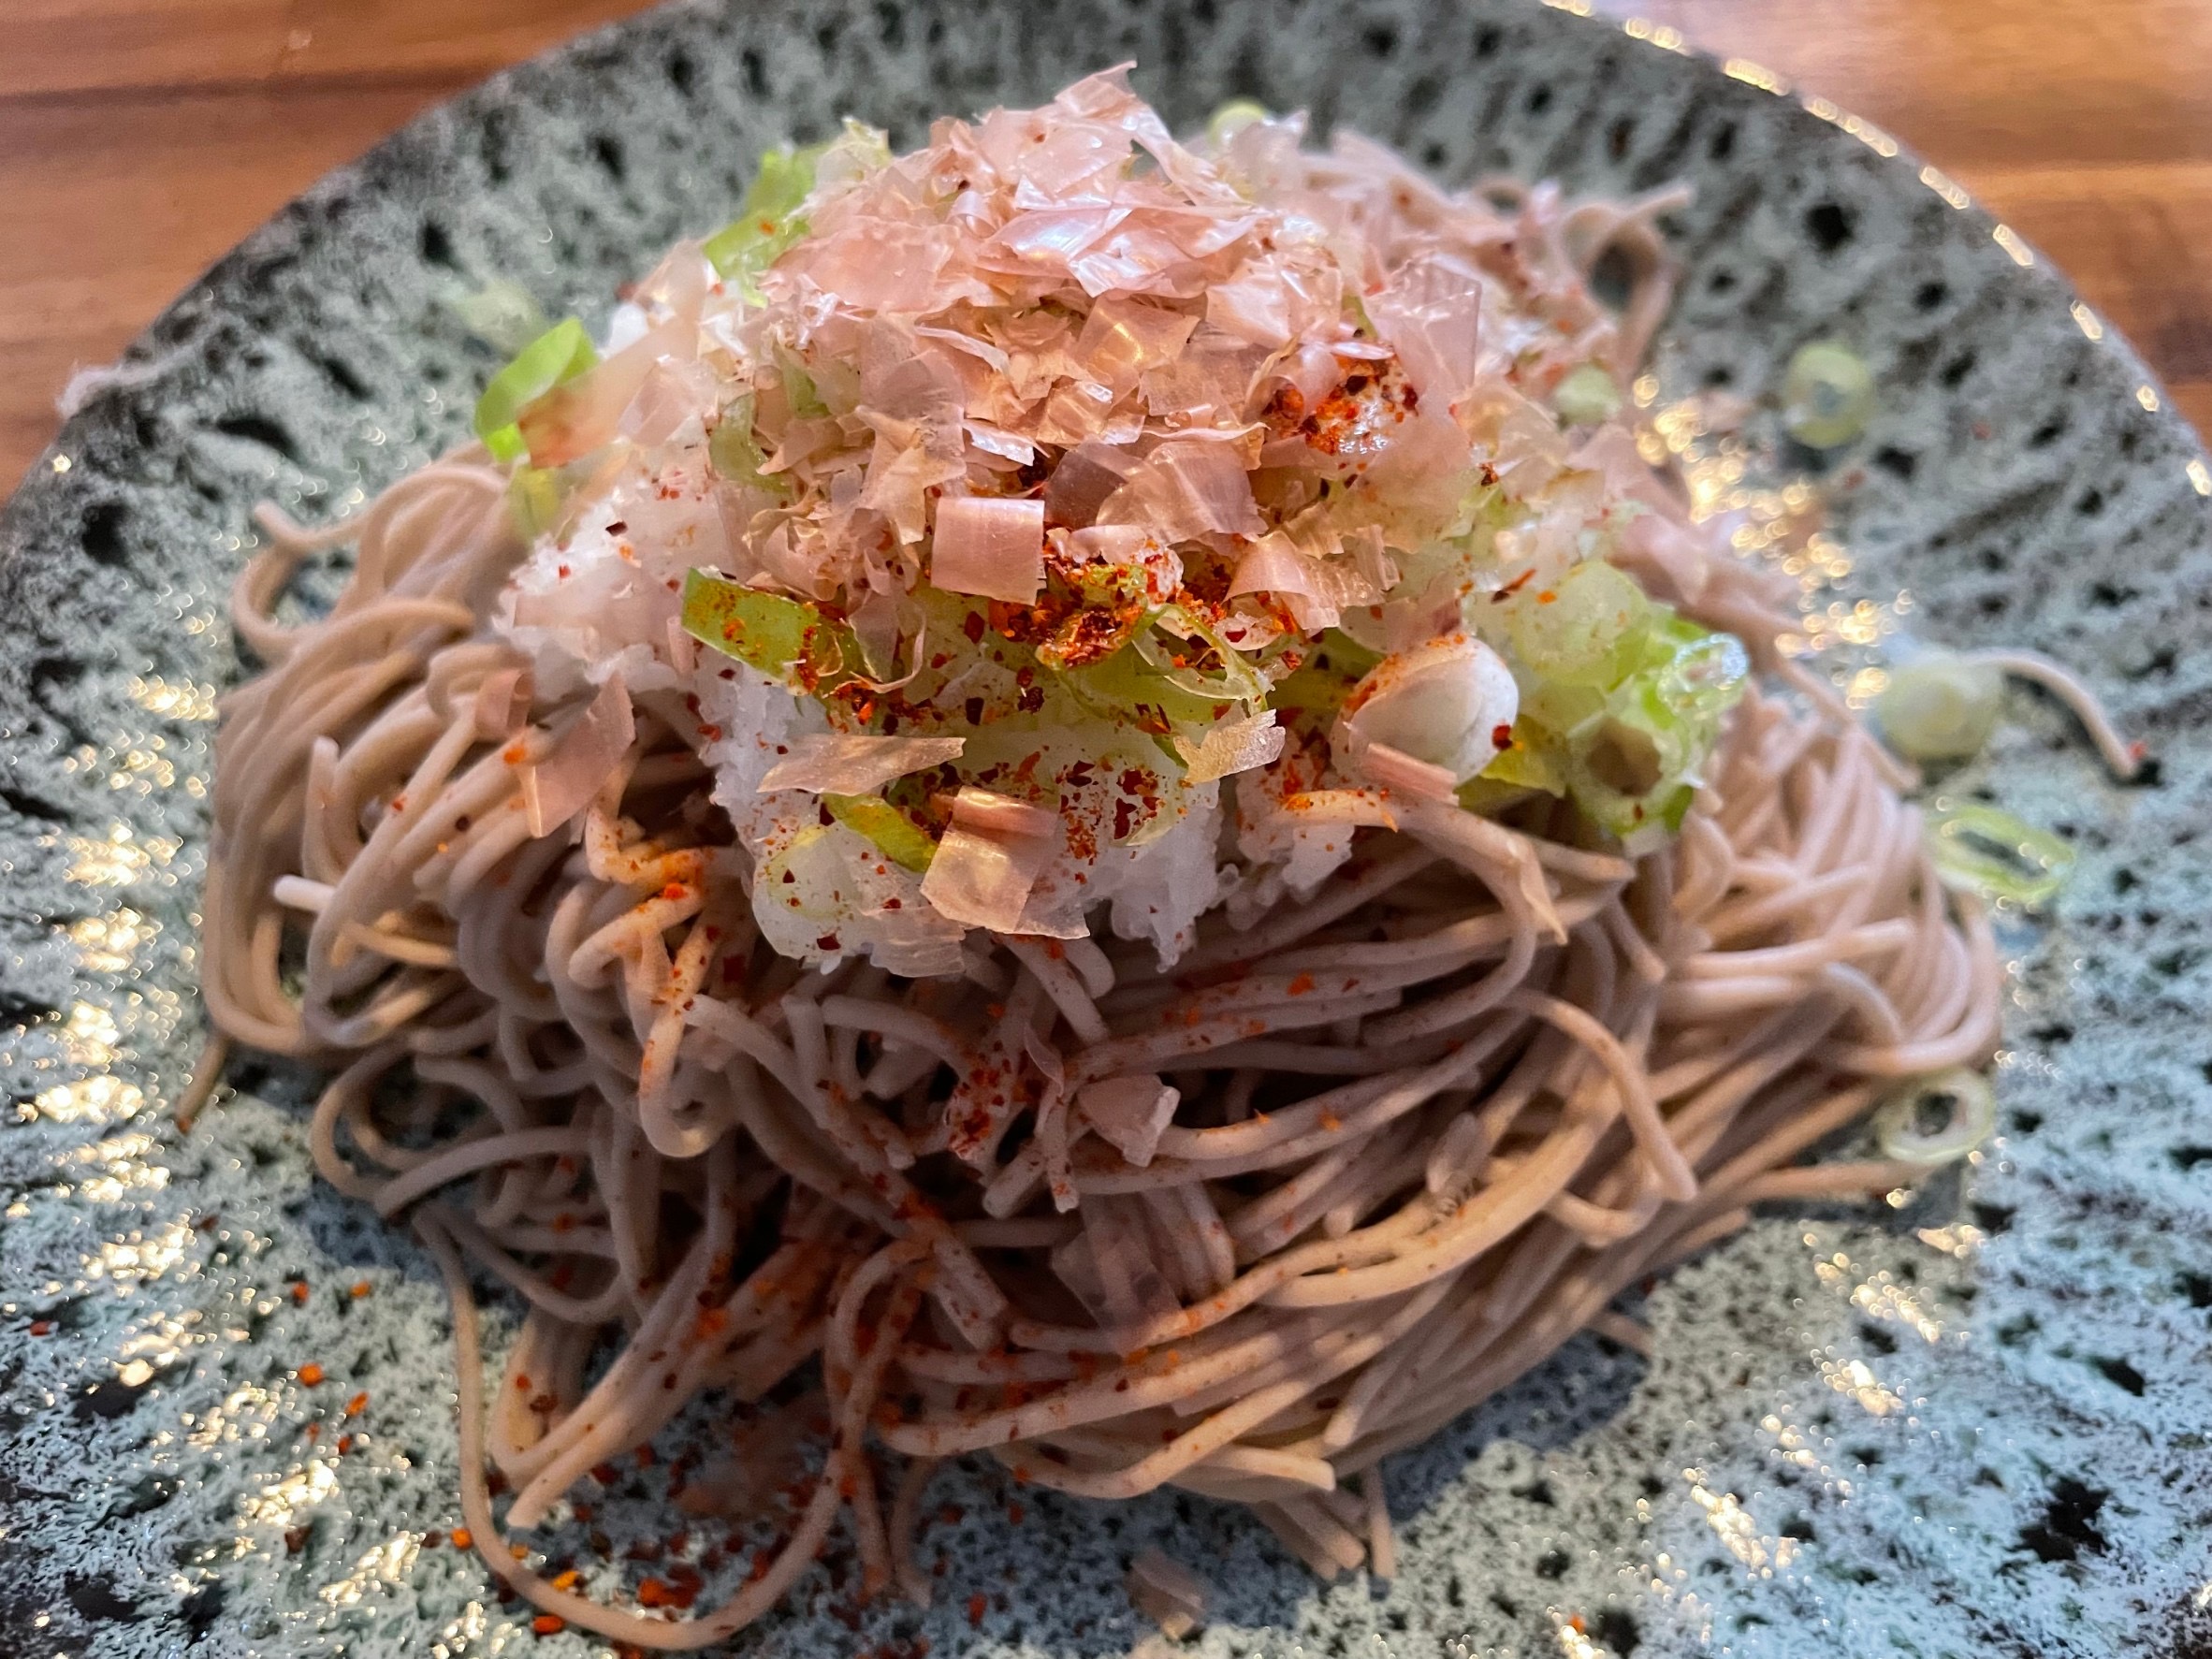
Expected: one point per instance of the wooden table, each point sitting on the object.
(140, 139)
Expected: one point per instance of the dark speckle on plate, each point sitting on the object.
(1974, 1424)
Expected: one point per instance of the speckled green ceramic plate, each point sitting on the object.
(1973, 1425)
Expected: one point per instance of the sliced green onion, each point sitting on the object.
(1828, 396)
(1937, 1120)
(1993, 853)
(736, 454)
(1587, 396)
(1325, 674)
(1234, 117)
(1238, 680)
(1582, 631)
(1700, 675)
(894, 834)
(1621, 700)
(558, 355)
(788, 639)
(854, 153)
(535, 500)
(1128, 689)
(1940, 708)
(799, 390)
(504, 315)
(769, 220)
(1527, 763)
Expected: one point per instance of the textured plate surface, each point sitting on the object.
(1973, 1424)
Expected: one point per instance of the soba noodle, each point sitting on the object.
(1526, 1124)
(1430, 1117)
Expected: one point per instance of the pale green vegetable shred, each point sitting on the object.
(1586, 397)
(558, 355)
(769, 221)
(503, 314)
(790, 640)
(1827, 395)
(1937, 1120)
(1991, 852)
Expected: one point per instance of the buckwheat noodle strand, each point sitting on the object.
(1433, 1118)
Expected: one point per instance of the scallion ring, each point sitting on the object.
(1937, 1119)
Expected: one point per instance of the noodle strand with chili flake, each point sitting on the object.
(1187, 1083)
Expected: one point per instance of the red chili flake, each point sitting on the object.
(1301, 984)
(462, 1539)
(973, 709)
(345, 1444)
(358, 1404)
(978, 1604)
(296, 1540)
(299, 1292)
(973, 627)
(1547, 597)
(643, 1456)
(361, 1288)
(548, 1625)
(398, 803)
(41, 1327)
(605, 1474)
(1515, 585)
(619, 525)
(1015, 1513)
(310, 1375)
(673, 891)
(828, 941)
(582, 1512)
(1501, 735)
(562, 571)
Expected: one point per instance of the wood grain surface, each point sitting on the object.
(140, 139)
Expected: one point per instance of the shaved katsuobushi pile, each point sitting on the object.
(1062, 515)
